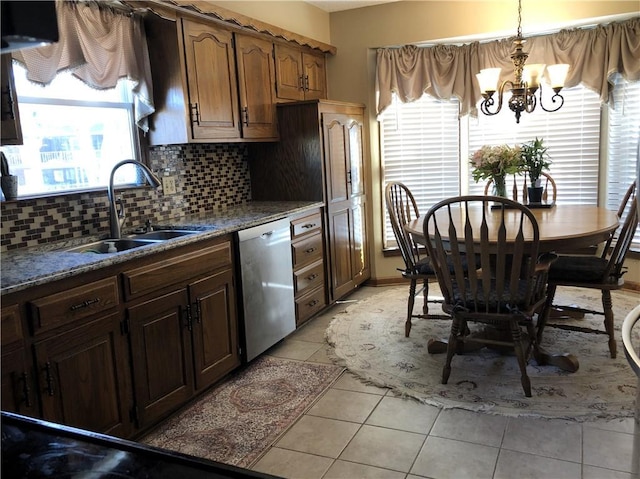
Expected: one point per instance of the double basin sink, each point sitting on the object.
(115, 245)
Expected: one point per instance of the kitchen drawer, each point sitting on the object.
(308, 278)
(178, 270)
(307, 250)
(74, 304)
(306, 226)
(309, 304)
(11, 329)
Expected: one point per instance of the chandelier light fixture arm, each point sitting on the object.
(527, 82)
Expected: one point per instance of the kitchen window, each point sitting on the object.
(424, 145)
(72, 136)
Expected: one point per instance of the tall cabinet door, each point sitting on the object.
(346, 200)
(211, 77)
(161, 352)
(256, 80)
(215, 331)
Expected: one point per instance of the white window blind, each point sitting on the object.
(420, 148)
(572, 135)
(622, 147)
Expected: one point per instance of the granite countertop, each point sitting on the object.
(29, 267)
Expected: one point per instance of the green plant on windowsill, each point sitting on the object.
(535, 160)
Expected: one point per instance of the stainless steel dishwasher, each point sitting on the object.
(267, 285)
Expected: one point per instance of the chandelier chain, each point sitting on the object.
(519, 18)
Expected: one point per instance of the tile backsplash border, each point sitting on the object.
(208, 177)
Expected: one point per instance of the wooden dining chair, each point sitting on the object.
(402, 208)
(507, 289)
(603, 272)
(517, 188)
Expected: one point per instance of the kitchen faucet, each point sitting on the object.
(117, 218)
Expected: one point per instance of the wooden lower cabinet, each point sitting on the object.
(160, 350)
(214, 328)
(18, 388)
(83, 377)
(116, 351)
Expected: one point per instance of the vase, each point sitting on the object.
(9, 185)
(535, 194)
(499, 186)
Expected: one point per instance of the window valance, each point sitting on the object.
(448, 71)
(99, 45)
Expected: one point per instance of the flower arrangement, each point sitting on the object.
(490, 162)
(535, 159)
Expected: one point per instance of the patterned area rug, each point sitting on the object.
(238, 420)
(368, 339)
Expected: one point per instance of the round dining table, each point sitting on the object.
(561, 227)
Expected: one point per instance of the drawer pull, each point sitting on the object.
(312, 276)
(313, 303)
(84, 304)
(47, 369)
(310, 250)
(309, 225)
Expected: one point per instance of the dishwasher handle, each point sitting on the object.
(264, 230)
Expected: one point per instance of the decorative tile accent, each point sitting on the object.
(209, 177)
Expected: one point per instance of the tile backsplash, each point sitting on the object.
(208, 177)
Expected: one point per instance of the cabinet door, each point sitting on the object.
(215, 331)
(256, 82)
(10, 129)
(289, 75)
(314, 76)
(160, 349)
(18, 392)
(346, 201)
(84, 379)
(211, 78)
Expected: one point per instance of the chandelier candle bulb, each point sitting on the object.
(557, 75)
(532, 74)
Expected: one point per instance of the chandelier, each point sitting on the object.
(527, 82)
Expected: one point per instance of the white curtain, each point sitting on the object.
(99, 45)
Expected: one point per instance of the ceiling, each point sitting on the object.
(337, 6)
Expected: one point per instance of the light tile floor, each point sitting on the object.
(355, 430)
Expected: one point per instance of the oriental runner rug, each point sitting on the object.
(237, 421)
(368, 339)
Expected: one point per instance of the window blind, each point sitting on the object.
(571, 134)
(420, 148)
(622, 147)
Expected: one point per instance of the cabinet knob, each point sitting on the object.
(245, 115)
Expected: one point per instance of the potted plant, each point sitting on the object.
(535, 160)
(8, 182)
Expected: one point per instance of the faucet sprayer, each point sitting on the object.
(114, 223)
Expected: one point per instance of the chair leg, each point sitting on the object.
(516, 334)
(410, 303)
(607, 307)
(543, 315)
(451, 348)
(425, 292)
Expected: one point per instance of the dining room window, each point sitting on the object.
(425, 145)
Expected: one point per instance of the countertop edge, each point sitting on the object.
(23, 269)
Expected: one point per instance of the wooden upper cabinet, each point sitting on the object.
(11, 131)
(211, 78)
(256, 87)
(300, 75)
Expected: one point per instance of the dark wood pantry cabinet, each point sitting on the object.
(320, 156)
